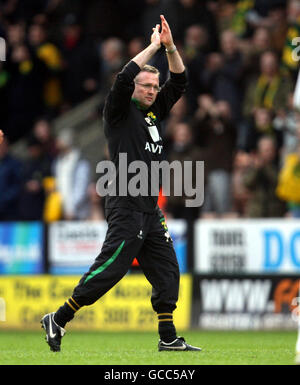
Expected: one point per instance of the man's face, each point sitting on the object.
(146, 88)
(268, 64)
(266, 151)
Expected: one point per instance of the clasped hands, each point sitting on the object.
(164, 37)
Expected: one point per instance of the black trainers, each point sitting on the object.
(177, 345)
(54, 333)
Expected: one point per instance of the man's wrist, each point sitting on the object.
(171, 48)
(155, 46)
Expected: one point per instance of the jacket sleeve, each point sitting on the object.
(117, 102)
(171, 92)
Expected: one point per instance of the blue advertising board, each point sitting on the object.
(21, 248)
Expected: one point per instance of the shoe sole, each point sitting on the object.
(162, 349)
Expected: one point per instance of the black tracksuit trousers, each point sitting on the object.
(133, 234)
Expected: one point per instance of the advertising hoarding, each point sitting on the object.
(73, 246)
(247, 246)
(245, 302)
(127, 306)
(21, 248)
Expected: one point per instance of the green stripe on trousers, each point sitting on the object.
(106, 264)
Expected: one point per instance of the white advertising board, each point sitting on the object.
(247, 246)
(73, 246)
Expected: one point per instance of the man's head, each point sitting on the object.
(64, 140)
(146, 86)
(229, 43)
(269, 63)
(37, 34)
(266, 149)
(182, 135)
(293, 11)
(42, 130)
(261, 39)
(196, 36)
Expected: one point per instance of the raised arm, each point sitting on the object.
(176, 85)
(144, 56)
(118, 99)
(174, 59)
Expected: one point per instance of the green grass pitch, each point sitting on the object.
(140, 348)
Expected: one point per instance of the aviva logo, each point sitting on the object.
(2, 49)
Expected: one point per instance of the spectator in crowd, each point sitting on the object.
(35, 169)
(261, 181)
(240, 194)
(196, 41)
(4, 83)
(81, 61)
(183, 149)
(191, 12)
(215, 133)
(135, 45)
(288, 123)
(240, 19)
(288, 188)
(42, 131)
(10, 183)
(51, 56)
(72, 175)
(113, 59)
(270, 89)
(53, 201)
(16, 33)
(253, 48)
(223, 74)
(293, 18)
(177, 115)
(262, 125)
(27, 10)
(279, 25)
(25, 91)
(195, 49)
(254, 14)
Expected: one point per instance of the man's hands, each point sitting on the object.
(164, 37)
(1, 136)
(161, 34)
(155, 37)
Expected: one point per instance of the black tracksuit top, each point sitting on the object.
(136, 132)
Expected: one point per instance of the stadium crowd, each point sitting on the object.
(237, 114)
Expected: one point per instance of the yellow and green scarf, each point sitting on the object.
(265, 91)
